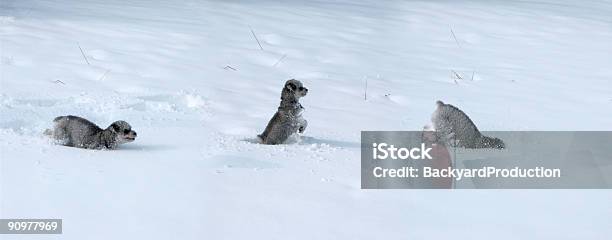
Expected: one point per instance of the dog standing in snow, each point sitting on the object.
(452, 126)
(288, 119)
(78, 132)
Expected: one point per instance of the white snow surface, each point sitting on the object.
(193, 82)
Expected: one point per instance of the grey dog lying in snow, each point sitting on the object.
(75, 131)
(288, 118)
(452, 126)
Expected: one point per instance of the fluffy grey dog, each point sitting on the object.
(453, 126)
(75, 131)
(288, 119)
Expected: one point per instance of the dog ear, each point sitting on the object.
(115, 127)
(291, 87)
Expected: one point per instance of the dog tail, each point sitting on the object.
(491, 142)
(48, 132)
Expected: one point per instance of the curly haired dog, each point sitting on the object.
(288, 119)
(454, 126)
(78, 132)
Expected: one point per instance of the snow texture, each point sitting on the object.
(191, 79)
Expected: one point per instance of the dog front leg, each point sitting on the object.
(302, 125)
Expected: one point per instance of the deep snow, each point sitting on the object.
(194, 172)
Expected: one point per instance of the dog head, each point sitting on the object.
(124, 131)
(294, 88)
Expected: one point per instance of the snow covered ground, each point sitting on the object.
(193, 82)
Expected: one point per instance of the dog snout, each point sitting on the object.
(305, 89)
(134, 133)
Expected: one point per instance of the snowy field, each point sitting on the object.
(193, 82)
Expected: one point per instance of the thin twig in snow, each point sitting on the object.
(365, 92)
(255, 36)
(104, 75)
(229, 67)
(83, 53)
(457, 76)
(279, 60)
(59, 81)
(459, 45)
(455, 37)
